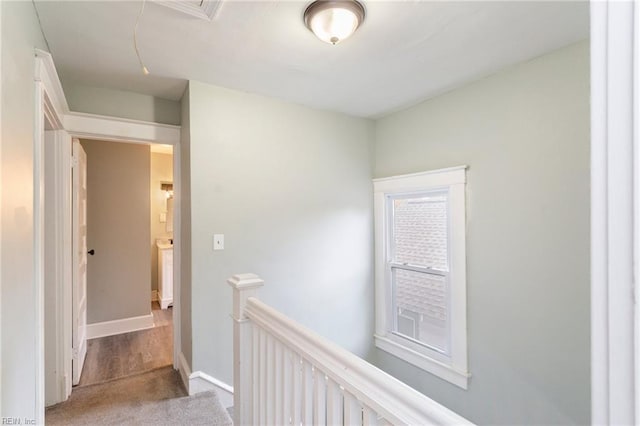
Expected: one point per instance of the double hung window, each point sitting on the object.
(420, 271)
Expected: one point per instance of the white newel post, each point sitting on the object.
(244, 286)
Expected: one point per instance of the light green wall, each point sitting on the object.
(266, 171)
(184, 195)
(118, 229)
(524, 133)
(120, 103)
(20, 35)
(290, 187)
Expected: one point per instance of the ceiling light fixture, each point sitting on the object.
(334, 20)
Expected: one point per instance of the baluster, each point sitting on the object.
(334, 403)
(270, 390)
(263, 378)
(307, 394)
(255, 376)
(277, 383)
(369, 417)
(285, 397)
(296, 389)
(319, 398)
(352, 410)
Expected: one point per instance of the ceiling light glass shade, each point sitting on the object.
(334, 20)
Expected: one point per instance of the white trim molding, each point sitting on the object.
(1, 145)
(47, 74)
(417, 181)
(125, 325)
(438, 368)
(202, 382)
(636, 215)
(59, 270)
(615, 219)
(451, 363)
(198, 381)
(98, 127)
(49, 106)
(101, 127)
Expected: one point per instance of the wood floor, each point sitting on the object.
(154, 398)
(127, 354)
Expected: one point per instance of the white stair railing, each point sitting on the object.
(285, 374)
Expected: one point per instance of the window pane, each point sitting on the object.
(420, 231)
(420, 307)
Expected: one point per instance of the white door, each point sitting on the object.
(79, 291)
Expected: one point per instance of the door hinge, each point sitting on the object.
(74, 162)
(74, 353)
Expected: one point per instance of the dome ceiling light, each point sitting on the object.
(334, 20)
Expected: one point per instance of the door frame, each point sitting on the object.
(113, 129)
(615, 212)
(51, 104)
(58, 207)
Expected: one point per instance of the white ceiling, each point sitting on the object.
(405, 51)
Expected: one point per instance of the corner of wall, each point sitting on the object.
(197, 382)
(185, 371)
(185, 227)
(121, 103)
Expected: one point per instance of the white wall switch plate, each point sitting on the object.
(218, 241)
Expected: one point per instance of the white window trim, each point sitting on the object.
(454, 368)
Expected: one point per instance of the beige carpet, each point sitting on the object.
(153, 398)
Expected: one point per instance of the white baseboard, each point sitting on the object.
(197, 382)
(154, 295)
(125, 325)
(164, 303)
(202, 382)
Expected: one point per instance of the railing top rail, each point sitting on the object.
(397, 402)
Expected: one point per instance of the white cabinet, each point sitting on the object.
(165, 275)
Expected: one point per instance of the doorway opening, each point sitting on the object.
(129, 322)
(55, 127)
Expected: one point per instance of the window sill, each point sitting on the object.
(444, 371)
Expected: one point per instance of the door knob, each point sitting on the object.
(92, 252)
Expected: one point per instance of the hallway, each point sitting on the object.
(129, 379)
(151, 398)
(123, 355)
